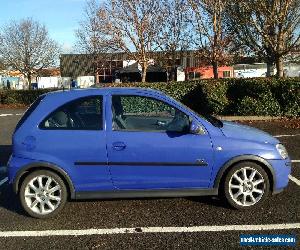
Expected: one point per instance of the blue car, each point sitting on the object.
(132, 142)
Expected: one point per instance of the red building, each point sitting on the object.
(195, 73)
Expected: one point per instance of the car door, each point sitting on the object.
(74, 138)
(149, 146)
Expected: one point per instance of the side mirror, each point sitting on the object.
(196, 129)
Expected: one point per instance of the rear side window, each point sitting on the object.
(29, 111)
(82, 114)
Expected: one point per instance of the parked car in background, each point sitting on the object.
(131, 142)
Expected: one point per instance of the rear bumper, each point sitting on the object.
(282, 170)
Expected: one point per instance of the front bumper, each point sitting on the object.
(282, 170)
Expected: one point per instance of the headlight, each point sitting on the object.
(282, 151)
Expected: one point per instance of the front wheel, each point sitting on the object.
(43, 194)
(246, 185)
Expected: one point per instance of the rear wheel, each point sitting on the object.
(43, 194)
(246, 185)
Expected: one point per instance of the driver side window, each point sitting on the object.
(81, 114)
(138, 113)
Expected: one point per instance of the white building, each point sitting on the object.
(48, 82)
(292, 69)
(250, 70)
(260, 70)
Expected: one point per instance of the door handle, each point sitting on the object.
(119, 146)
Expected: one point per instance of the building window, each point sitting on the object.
(106, 71)
(194, 75)
(188, 62)
(197, 75)
(226, 74)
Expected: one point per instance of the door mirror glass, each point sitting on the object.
(196, 128)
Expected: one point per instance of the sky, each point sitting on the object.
(61, 17)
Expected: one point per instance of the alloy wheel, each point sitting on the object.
(43, 194)
(246, 186)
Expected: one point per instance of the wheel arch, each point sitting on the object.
(246, 158)
(26, 170)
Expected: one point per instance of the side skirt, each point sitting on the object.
(119, 194)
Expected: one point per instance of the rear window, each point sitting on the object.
(29, 111)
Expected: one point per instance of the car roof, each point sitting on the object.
(102, 91)
(55, 99)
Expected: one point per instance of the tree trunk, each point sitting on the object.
(270, 69)
(95, 69)
(215, 70)
(173, 74)
(279, 66)
(174, 66)
(96, 78)
(29, 80)
(144, 72)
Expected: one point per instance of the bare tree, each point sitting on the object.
(211, 34)
(26, 46)
(175, 34)
(2, 66)
(129, 26)
(90, 38)
(268, 28)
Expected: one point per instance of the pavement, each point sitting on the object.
(177, 223)
(249, 118)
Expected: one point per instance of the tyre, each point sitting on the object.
(43, 194)
(246, 185)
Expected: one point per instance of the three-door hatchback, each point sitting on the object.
(130, 142)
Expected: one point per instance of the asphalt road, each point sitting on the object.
(136, 213)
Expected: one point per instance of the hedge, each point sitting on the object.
(22, 97)
(259, 96)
